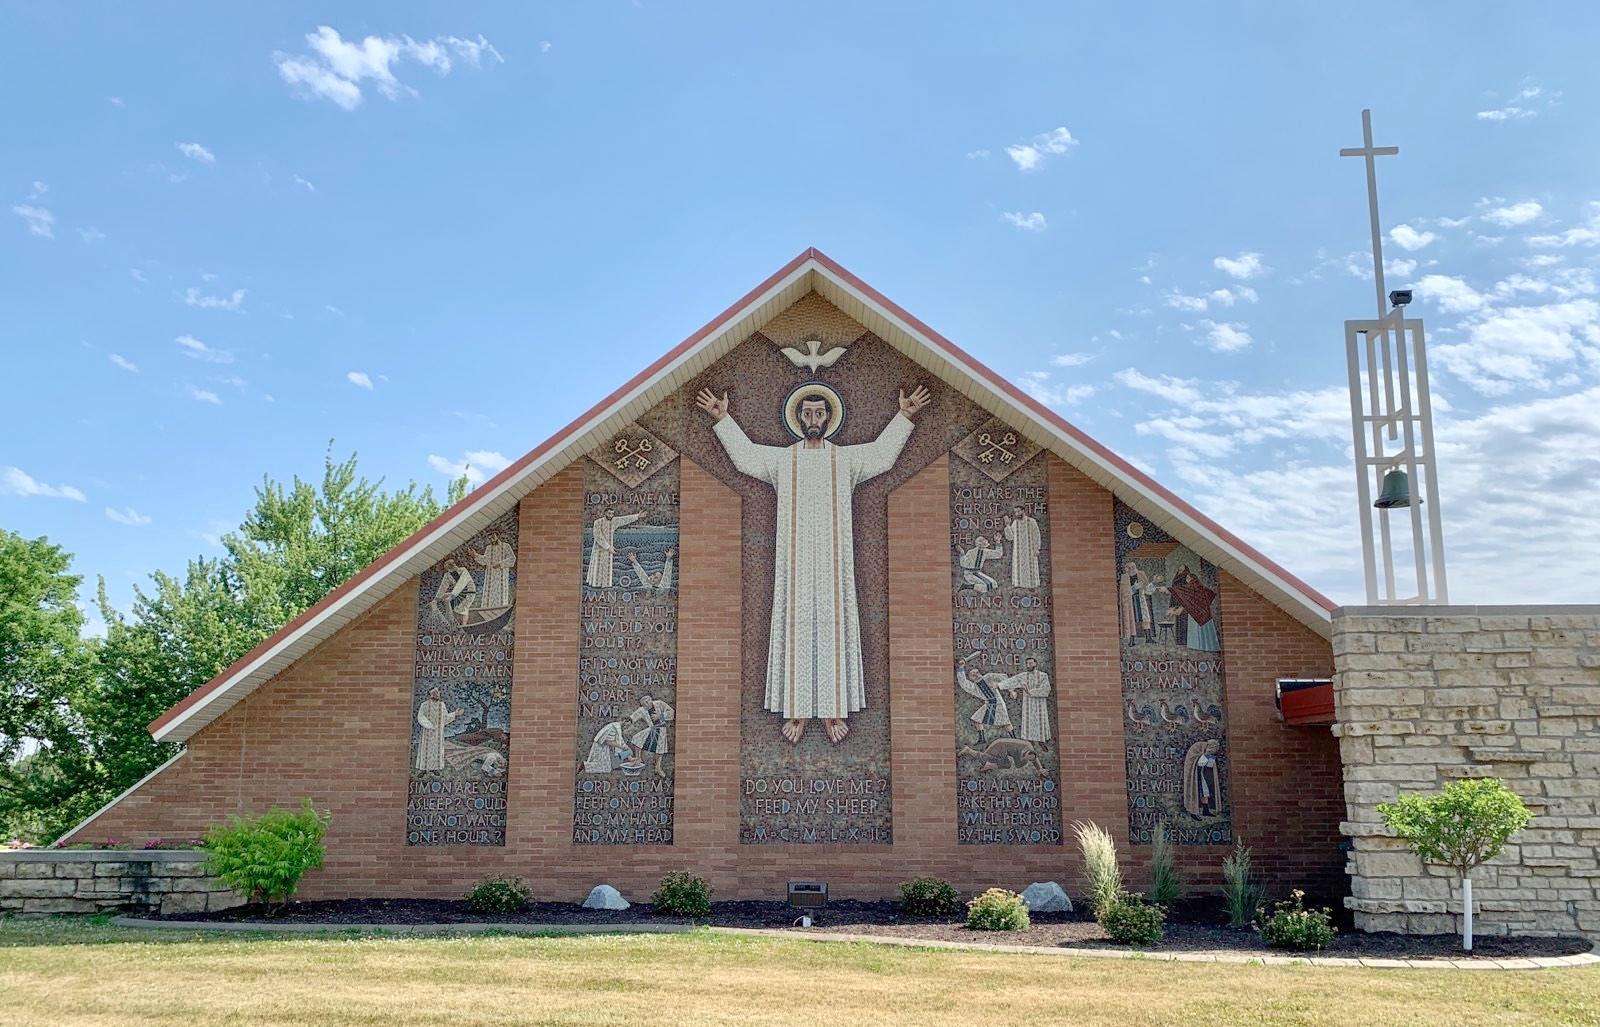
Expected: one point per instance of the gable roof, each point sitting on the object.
(811, 271)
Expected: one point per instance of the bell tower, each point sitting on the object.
(1392, 424)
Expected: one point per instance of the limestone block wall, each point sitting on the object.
(38, 882)
(1427, 695)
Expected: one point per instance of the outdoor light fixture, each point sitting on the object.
(807, 895)
(1399, 297)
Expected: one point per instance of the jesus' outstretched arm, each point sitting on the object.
(871, 459)
(748, 458)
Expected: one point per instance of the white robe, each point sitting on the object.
(497, 559)
(604, 551)
(1024, 538)
(1035, 688)
(656, 717)
(604, 757)
(993, 712)
(972, 572)
(814, 666)
(432, 718)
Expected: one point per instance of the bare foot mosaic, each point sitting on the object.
(1007, 762)
(628, 643)
(1172, 687)
(461, 696)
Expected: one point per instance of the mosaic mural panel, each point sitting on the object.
(1007, 761)
(1172, 687)
(461, 693)
(628, 643)
(813, 427)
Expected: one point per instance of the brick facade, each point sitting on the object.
(336, 727)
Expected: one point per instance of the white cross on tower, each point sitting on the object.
(1388, 367)
(1367, 150)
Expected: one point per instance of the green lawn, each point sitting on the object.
(65, 973)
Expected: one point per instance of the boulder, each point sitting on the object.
(1046, 897)
(605, 897)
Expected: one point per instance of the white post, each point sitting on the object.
(1466, 914)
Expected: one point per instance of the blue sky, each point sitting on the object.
(231, 233)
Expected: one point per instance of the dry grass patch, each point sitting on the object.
(68, 974)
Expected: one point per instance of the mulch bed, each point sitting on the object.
(1190, 931)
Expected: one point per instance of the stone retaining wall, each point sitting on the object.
(1427, 695)
(36, 882)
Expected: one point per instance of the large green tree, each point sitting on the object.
(297, 543)
(44, 669)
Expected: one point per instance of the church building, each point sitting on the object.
(815, 596)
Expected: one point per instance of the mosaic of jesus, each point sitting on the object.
(814, 666)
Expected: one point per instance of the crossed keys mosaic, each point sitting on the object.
(996, 449)
(633, 454)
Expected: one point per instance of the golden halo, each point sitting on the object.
(791, 408)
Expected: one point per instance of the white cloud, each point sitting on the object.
(360, 378)
(1030, 155)
(334, 68)
(1453, 295)
(544, 46)
(233, 380)
(1515, 214)
(1451, 222)
(1586, 233)
(1223, 337)
(91, 234)
(1409, 238)
(116, 101)
(124, 363)
(137, 275)
(476, 464)
(977, 154)
(1028, 222)
(204, 396)
(196, 152)
(197, 350)
(308, 186)
(1522, 105)
(1507, 347)
(1072, 359)
(40, 221)
(1183, 301)
(1399, 266)
(1043, 388)
(1243, 267)
(194, 298)
(128, 515)
(14, 481)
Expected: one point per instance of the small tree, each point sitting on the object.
(1466, 824)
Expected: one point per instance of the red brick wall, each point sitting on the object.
(336, 727)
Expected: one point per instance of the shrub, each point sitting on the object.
(264, 857)
(997, 910)
(1101, 875)
(929, 896)
(682, 893)
(1292, 926)
(1166, 882)
(1240, 890)
(1132, 921)
(500, 895)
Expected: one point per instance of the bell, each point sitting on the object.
(1396, 491)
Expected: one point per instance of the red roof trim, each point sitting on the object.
(1050, 416)
(360, 579)
(1038, 409)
